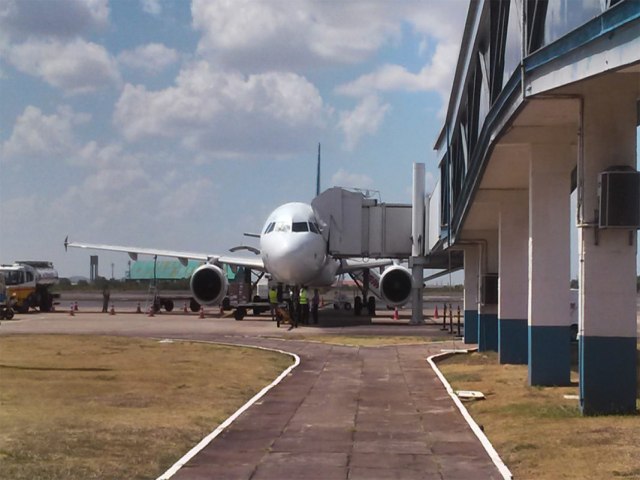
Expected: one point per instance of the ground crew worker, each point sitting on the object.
(106, 294)
(273, 301)
(304, 305)
(315, 303)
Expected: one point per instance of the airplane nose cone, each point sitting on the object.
(292, 260)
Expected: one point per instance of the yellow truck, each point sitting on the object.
(28, 285)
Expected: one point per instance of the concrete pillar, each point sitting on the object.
(471, 269)
(488, 301)
(608, 335)
(549, 263)
(417, 244)
(513, 333)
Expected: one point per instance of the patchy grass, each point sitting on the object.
(362, 340)
(537, 432)
(81, 407)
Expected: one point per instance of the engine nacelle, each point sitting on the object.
(395, 285)
(209, 285)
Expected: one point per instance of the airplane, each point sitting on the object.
(293, 251)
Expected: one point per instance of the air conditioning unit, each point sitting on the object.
(619, 198)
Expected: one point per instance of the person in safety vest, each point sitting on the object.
(273, 301)
(315, 303)
(304, 305)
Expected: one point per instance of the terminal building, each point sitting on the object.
(545, 103)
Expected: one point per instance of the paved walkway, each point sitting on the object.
(348, 413)
(343, 413)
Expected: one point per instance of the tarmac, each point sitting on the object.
(345, 412)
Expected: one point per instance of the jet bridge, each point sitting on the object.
(357, 225)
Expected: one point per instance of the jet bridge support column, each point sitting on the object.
(549, 266)
(471, 269)
(608, 336)
(417, 259)
(513, 279)
(488, 304)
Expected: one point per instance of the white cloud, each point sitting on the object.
(222, 112)
(75, 67)
(152, 7)
(187, 198)
(151, 58)
(342, 178)
(60, 18)
(435, 76)
(440, 24)
(365, 119)
(263, 35)
(44, 136)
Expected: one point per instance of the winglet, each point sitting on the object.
(66, 242)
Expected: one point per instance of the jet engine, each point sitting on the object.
(209, 285)
(395, 285)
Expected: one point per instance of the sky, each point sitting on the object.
(181, 125)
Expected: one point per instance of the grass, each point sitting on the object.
(80, 407)
(538, 433)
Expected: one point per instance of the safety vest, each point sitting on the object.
(303, 296)
(273, 296)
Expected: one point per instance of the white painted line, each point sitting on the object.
(206, 440)
(495, 458)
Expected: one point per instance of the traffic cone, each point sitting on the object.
(221, 311)
(435, 315)
(113, 310)
(184, 309)
(75, 306)
(138, 309)
(71, 312)
(201, 312)
(395, 314)
(151, 313)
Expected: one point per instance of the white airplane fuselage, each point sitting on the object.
(293, 250)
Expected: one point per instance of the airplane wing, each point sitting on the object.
(352, 265)
(183, 257)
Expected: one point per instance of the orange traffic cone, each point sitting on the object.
(184, 309)
(435, 315)
(75, 306)
(113, 310)
(395, 314)
(201, 312)
(71, 312)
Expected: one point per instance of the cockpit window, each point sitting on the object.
(300, 227)
(282, 227)
(314, 227)
(269, 228)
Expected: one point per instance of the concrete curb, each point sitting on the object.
(495, 458)
(209, 438)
